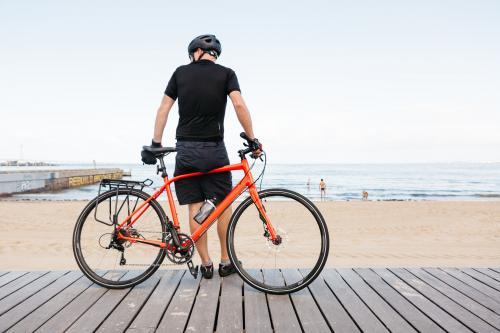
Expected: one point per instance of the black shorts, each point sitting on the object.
(195, 156)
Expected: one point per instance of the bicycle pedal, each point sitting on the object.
(193, 269)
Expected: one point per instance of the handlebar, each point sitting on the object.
(252, 144)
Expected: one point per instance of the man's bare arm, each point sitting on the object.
(242, 113)
(161, 117)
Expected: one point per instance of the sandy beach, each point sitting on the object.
(37, 235)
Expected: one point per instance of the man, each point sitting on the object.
(365, 195)
(202, 88)
(322, 188)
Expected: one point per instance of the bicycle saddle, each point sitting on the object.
(159, 151)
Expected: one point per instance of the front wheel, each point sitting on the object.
(272, 266)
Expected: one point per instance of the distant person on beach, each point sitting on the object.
(308, 184)
(365, 195)
(202, 87)
(322, 189)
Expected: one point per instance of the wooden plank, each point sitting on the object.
(406, 309)
(177, 314)
(428, 299)
(151, 313)
(28, 290)
(72, 311)
(100, 310)
(492, 283)
(255, 307)
(309, 314)
(3, 273)
(44, 312)
(202, 317)
(361, 314)
(283, 315)
(442, 318)
(465, 289)
(484, 288)
(471, 305)
(20, 311)
(230, 318)
(391, 319)
(130, 306)
(18, 283)
(491, 273)
(337, 317)
(453, 308)
(6, 278)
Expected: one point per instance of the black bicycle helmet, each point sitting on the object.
(207, 43)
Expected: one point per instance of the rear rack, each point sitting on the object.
(114, 206)
(118, 183)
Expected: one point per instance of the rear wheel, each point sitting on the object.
(303, 242)
(114, 263)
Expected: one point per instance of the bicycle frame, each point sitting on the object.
(246, 182)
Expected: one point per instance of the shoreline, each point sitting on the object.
(362, 234)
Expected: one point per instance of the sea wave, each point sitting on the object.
(344, 182)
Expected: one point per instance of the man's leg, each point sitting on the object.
(222, 225)
(202, 243)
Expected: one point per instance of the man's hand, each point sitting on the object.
(256, 147)
(148, 157)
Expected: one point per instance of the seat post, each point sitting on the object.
(162, 167)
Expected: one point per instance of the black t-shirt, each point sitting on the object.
(202, 88)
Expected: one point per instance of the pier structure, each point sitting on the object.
(12, 182)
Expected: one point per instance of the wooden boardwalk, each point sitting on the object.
(340, 300)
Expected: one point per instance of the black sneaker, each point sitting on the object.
(227, 269)
(207, 271)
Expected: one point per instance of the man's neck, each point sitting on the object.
(207, 56)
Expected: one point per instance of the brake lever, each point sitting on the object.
(245, 144)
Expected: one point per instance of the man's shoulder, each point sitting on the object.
(227, 69)
(181, 68)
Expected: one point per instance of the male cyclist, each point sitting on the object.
(202, 88)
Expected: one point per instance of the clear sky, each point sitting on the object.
(325, 81)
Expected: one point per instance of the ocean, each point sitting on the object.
(440, 181)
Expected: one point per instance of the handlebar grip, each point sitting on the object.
(243, 135)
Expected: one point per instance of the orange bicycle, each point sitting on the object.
(123, 235)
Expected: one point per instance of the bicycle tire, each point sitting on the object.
(87, 271)
(311, 275)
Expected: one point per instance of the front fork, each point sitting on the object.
(272, 234)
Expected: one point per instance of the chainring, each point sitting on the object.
(178, 256)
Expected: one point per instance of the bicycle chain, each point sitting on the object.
(160, 265)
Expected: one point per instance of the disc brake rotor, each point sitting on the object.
(282, 244)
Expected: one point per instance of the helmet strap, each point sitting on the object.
(211, 52)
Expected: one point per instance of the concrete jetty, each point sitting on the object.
(12, 182)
